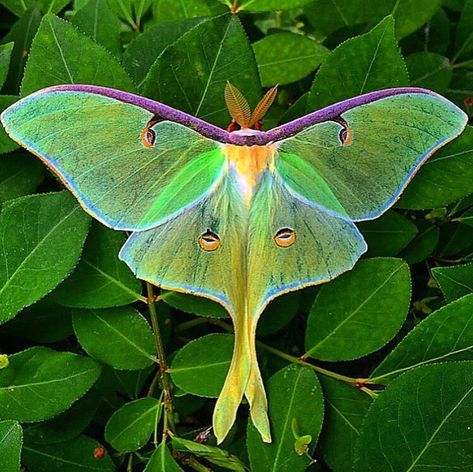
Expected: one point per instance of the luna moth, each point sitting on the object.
(237, 216)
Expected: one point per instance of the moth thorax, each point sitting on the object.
(249, 162)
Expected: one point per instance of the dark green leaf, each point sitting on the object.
(130, 427)
(195, 305)
(455, 281)
(269, 5)
(130, 10)
(295, 402)
(141, 53)
(5, 54)
(345, 409)
(444, 178)
(39, 249)
(278, 314)
(20, 174)
(97, 21)
(57, 57)
(362, 64)
(120, 337)
(366, 306)
(287, 57)
(212, 454)
(422, 245)
(387, 235)
(6, 144)
(464, 35)
(429, 70)
(162, 460)
(192, 73)
(11, 439)
(100, 280)
(200, 366)
(21, 34)
(39, 383)
(170, 10)
(445, 335)
(71, 456)
(421, 421)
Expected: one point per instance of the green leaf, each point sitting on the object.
(35, 322)
(412, 427)
(345, 409)
(328, 16)
(57, 57)
(20, 174)
(100, 280)
(200, 366)
(170, 10)
(141, 53)
(361, 64)
(131, 427)
(120, 337)
(466, 218)
(71, 456)
(429, 70)
(444, 178)
(67, 425)
(21, 34)
(162, 460)
(11, 440)
(269, 5)
(454, 281)
(39, 383)
(130, 10)
(464, 34)
(212, 454)
(287, 57)
(195, 305)
(6, 144)
(191, 74)
(278, 314)
(444, 335)
(5, 54)
(367, 305)
(39, 249)
(387, 235)
(97, 21)
(294, 397)
(422, 245)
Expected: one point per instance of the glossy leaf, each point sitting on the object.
(200, 366)
(98, 22)
(432, 427)
(454, 281)
(195, 305)
(422, 245)
(445, 335)
(287, 57)
(20, 175)
(367, 306)
(39, 383)
(269, 5)
(169, 10)
(345, 409)
(375, 63)
(56, 58)
(120, 337)
(100, 280)
(446, 177)
(131, 426)
(295, 403)
(429, 70)
(206, 52)
(11, 440)
(6, 144)
(5, 54)
(161, 460)
(40, 250)
(76, 455)
(387, 235)
(464, 37)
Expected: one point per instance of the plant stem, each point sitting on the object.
(193, 463)
(129, 467)
(163, 367)
(190, 324)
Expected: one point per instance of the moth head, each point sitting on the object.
(240, 110)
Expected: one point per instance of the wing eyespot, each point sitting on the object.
(285, 237)
(148, 137)
(209, 241)
(346, 133)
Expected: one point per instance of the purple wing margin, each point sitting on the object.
(208, 130)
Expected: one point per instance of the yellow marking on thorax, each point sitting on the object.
(249, 163)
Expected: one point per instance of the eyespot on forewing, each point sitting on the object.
(285, 237)
(209, 241)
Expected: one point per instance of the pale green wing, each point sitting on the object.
(127, 170)
(368, 154)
